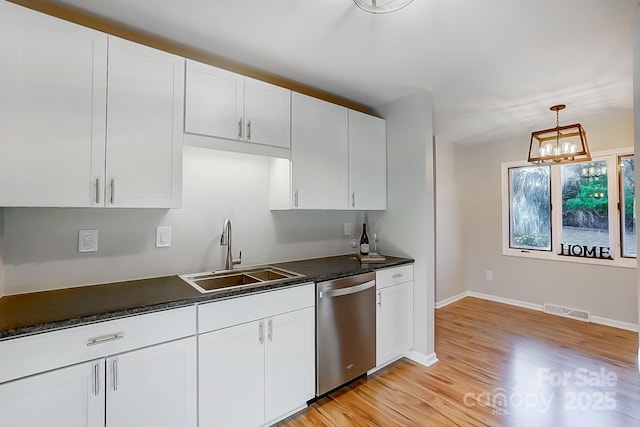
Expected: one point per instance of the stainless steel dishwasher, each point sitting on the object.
(345, 330)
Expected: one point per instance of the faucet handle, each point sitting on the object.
(237, 260)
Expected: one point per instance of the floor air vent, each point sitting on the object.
(567, 312)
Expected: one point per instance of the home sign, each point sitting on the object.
(584, 251)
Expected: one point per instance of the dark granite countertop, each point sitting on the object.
(43, 311)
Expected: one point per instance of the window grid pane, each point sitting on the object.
(627, 206)
(585, 206)
(530, 208)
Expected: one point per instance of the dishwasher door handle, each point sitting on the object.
(346, 291)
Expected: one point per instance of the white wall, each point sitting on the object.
(607, 292)
(40, 245)
(2, 291)
(450, 231)
(636, 109)
(407, 226)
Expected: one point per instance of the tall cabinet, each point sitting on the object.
(86, 119)
(53, 104)
(319, 153)
(144, 127)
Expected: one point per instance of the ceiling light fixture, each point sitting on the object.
(561, 144)
(381, 6)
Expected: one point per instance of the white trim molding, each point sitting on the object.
(538, 307)
(423, 359)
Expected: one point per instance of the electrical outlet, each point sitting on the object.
(87, 240)
(347, 229)
(488, 275)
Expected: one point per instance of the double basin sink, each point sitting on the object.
(233, 279)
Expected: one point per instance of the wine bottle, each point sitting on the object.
(364, 241)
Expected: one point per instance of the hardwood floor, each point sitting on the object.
(499, 366)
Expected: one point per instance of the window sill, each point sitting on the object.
(551, 256)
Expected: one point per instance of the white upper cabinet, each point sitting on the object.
(59, 129)
(144, 126)
(267, 112)
(223, 104)
(367, 162)
(338, 159)
(319, 154)
(53, 77)
(214, 101)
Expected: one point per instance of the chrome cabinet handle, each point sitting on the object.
(113, 190)
(249, 130)
(261, 332)
(296, 199)
(270, 329)
(240, 129)
(105, 338)
(97, 191)
(379, 298)
(114, 371)
(353, 200)
(96, 380)
(397, 276)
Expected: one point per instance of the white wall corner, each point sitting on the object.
(636, 122)
(452, 299)
(2, 291)
(421, 358)
(407, 226)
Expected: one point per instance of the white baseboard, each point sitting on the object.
(615, 323)
(451, 300)
(509, 301)
(539, 307)
(423, 359)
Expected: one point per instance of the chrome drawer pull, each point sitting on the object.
(105, 338)
(347, 291)
(397, 276)
(114, 371)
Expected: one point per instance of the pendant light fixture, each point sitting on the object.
(558, 145)
(381, 6)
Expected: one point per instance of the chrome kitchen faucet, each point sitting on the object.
(225, 240)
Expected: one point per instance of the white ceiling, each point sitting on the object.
(494, 66)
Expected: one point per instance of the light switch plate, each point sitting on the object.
(163, 237)
(87, 240)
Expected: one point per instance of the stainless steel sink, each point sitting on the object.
(230, 279)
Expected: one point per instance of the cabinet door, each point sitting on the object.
(53, 78)
(319, 153)
(394, 322)
(67, 397)
(367, 162)
(289, 362)
(144, 126)
(231, 376)
(267, 112)
(154, 386)
(214, 102)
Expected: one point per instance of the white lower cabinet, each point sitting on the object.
(394, 313)
(154, 386)
(65, 397)
(262, 369)
(134, 371)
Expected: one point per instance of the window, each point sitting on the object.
(530, 207)
(582, 212)
(628, 206)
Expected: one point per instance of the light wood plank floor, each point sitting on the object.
(499, 366)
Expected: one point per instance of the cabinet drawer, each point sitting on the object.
(21, 357)
(394, 276)
(222, 314)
